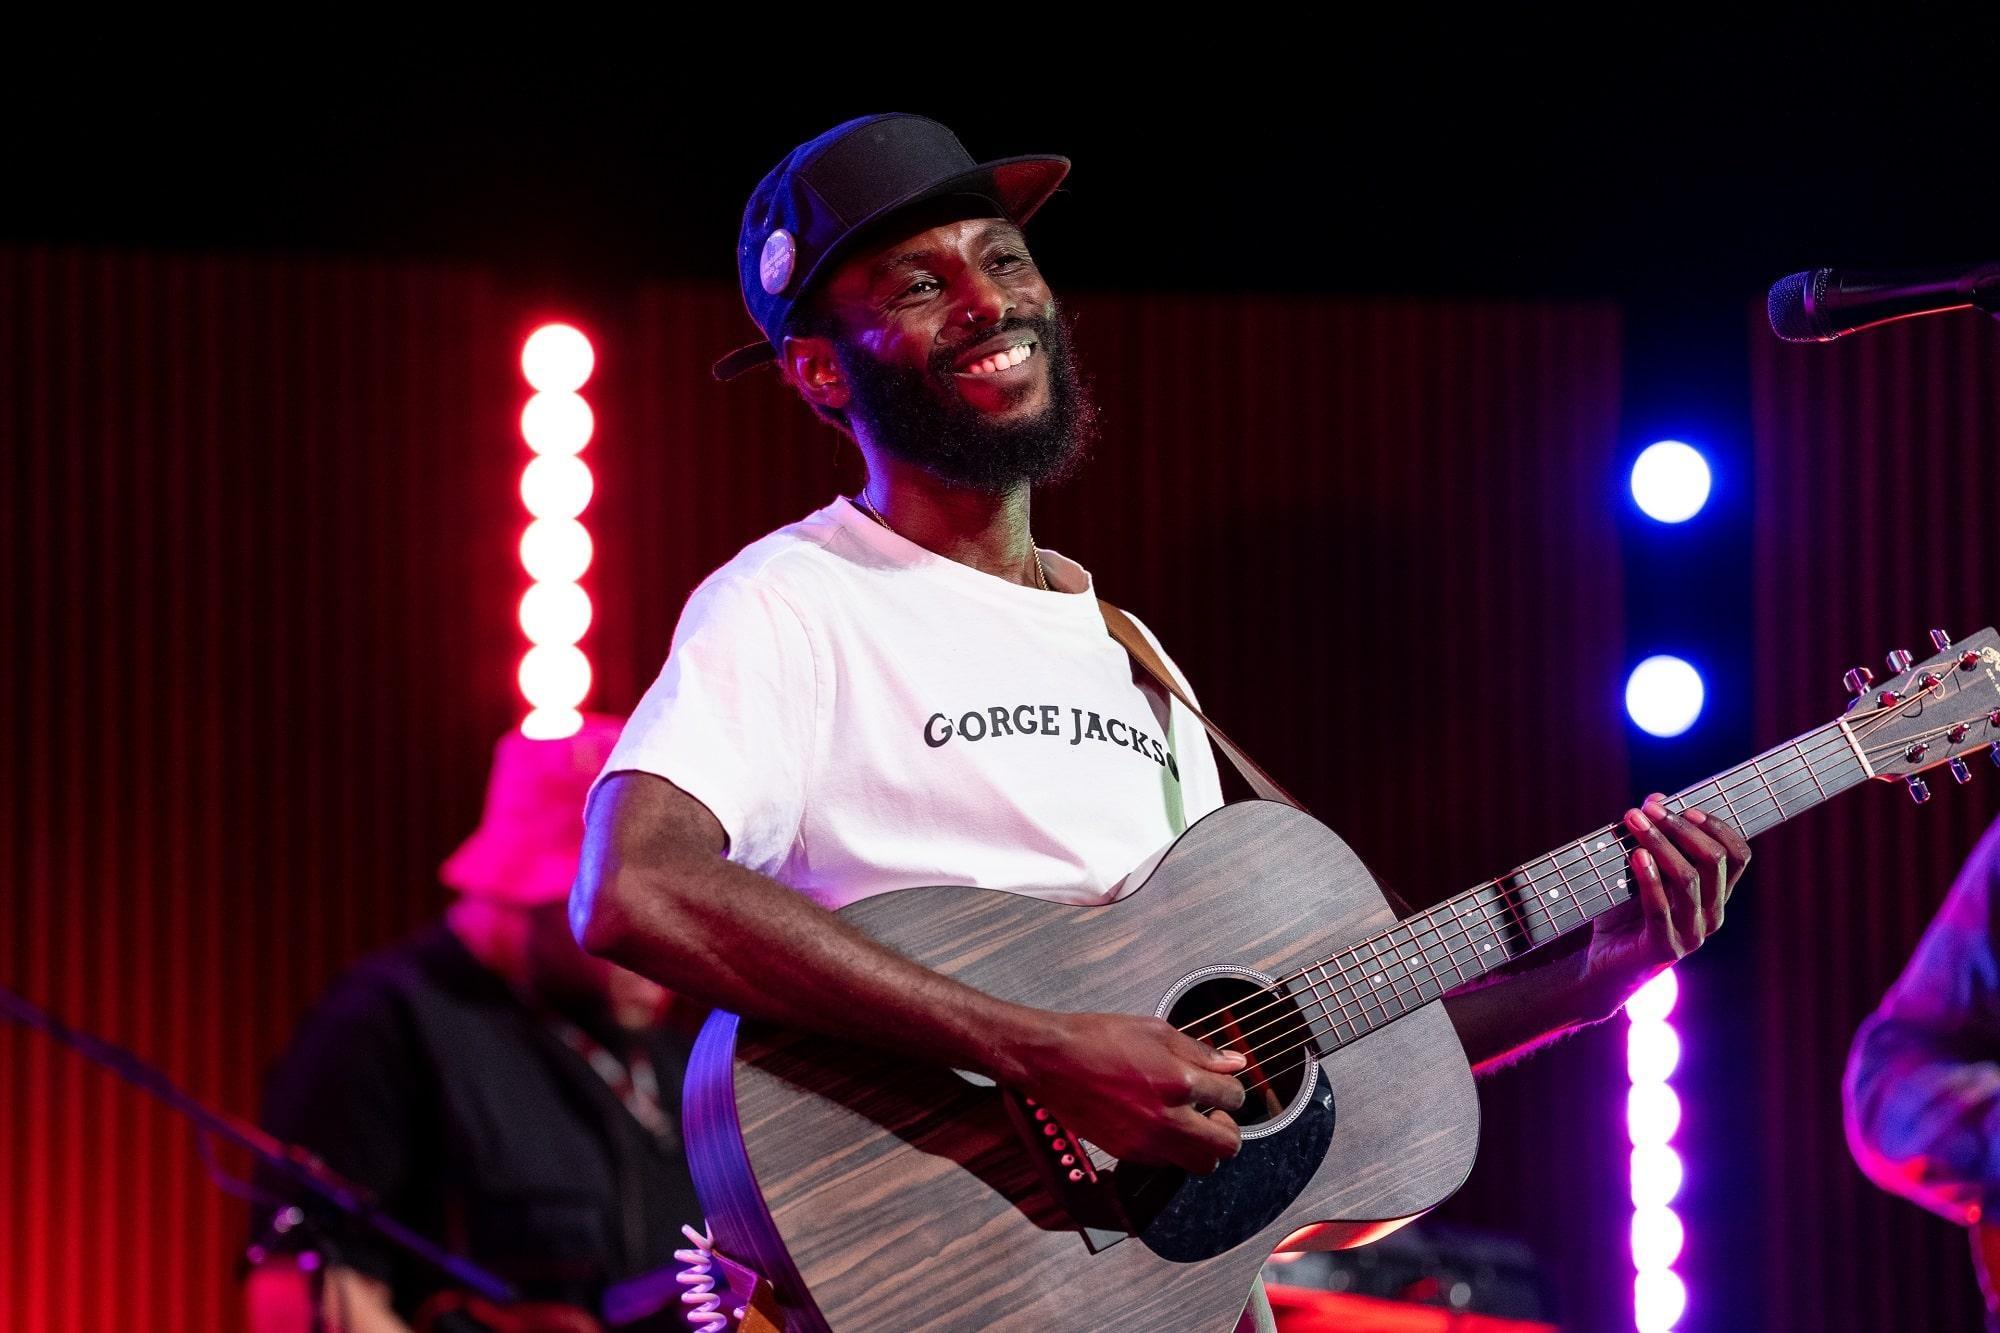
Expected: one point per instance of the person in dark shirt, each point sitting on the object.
(498, 1090)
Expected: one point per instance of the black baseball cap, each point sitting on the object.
(809, 210)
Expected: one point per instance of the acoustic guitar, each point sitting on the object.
(878, 1193)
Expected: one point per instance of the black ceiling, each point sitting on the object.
(1695, 161)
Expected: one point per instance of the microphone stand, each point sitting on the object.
(306, 1174)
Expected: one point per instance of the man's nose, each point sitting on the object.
(986, 302)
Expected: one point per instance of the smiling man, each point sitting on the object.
(903, 689)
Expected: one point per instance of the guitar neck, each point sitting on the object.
(1465, 937)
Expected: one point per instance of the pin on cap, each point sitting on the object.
(774, 268)
(811, 208)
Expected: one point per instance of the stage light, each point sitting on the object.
(555, 486)
(557, 423)
(1652, 1002)
(1670, 481)
(551, 724)
(555, 675)
(1664, 695)
(1652, 1050)
(557, 358)
(1657, 1238)
(1652, 1113)
(555, 613)
(555, 550)
(1656, 1175)
(1659, 1299)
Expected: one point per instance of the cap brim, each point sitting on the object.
(1019, 185)
(742, 359)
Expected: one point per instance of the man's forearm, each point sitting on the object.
(1511, 1017)
(715, 931)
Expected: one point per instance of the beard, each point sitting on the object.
(900, 411)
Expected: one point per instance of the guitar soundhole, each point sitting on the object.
(1241, 1013)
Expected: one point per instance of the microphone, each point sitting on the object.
(1821, 305)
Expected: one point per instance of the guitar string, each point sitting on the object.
(1522, 879)
(1831, 738)
(1555, 858)
(1448, 938)
(1296, 1017)
(1830, 741)
(1324, 995)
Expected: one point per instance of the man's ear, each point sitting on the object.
(814, 370)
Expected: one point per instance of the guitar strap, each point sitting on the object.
(1122, 629)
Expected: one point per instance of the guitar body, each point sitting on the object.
(878, 1193)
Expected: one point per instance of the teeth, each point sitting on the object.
(1013, 356)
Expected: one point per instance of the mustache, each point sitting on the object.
(1044, 330)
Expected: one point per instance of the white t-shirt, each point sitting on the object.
(861, 715)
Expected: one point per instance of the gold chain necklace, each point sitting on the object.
(1040, 578)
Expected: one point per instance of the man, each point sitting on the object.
(1922, 1091)
(846, 708)
(497, 1089)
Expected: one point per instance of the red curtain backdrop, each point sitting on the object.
(257, 521)
(1877, 461)
(259, 553)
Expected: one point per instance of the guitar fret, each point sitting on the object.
(1809, 771)
(1395, 970)
(1356, 1021)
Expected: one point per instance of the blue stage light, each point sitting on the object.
(1670, 481)
(1664, 695)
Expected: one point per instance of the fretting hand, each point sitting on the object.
(1684, 867)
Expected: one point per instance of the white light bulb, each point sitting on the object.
(557, 423)
(556, 486)
(555, 676)
(1670, 481)
(1664, 695)
(555, 550)
(557, 358)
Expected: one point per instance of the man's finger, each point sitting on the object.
(1215, 1130)
(1198, 1052)
(1652, 900)
(1194, 1142)
(1733, 842)
(1710, 861)
(1674, 876)
(1217, 1090)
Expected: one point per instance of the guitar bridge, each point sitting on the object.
(1084, 1193)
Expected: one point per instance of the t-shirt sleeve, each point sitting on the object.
(731, 720)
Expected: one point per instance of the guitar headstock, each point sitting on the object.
(1942, 712)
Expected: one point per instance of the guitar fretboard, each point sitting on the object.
(1420, 958)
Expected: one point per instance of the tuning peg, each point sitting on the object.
(1959, 732)
(1959, 772)
(1915, 754)
(1968, 660)
(1858, 679)
(1920, 791)
(1940, 640)
(1899, 661)
(1994, 750)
